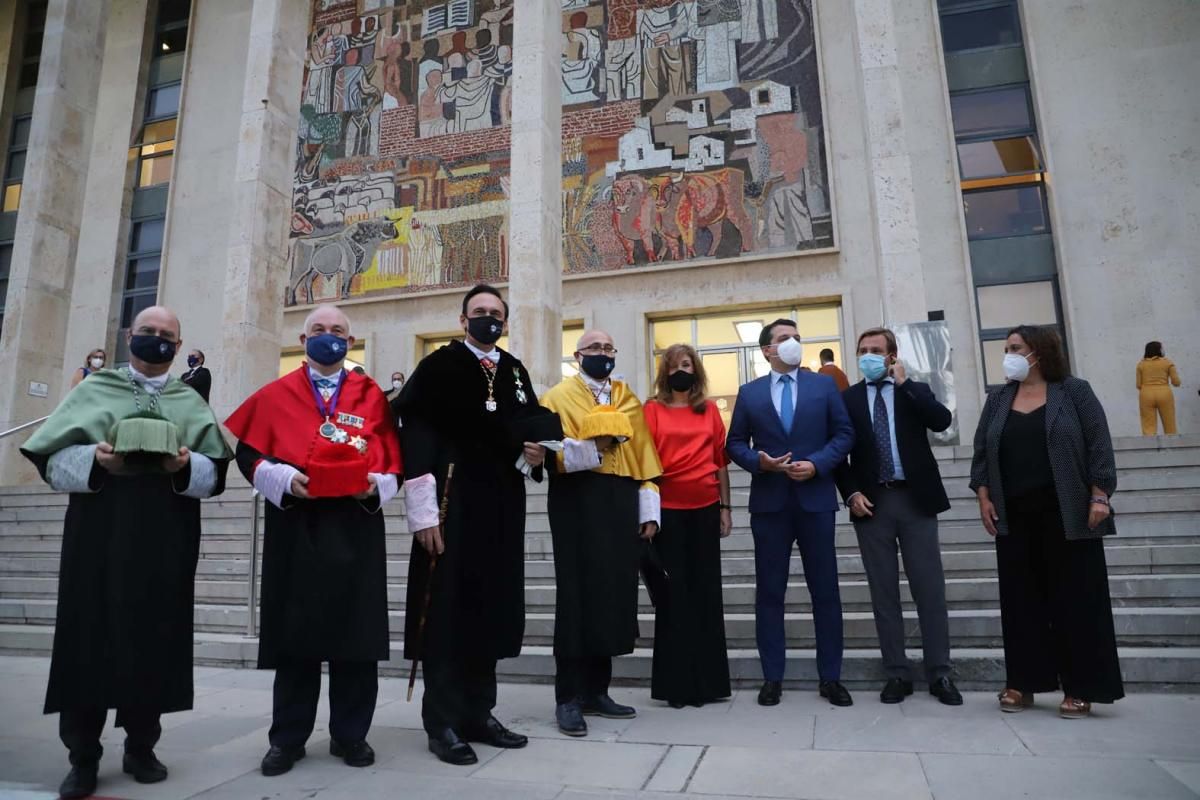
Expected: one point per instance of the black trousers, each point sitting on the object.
(691, 663)
(80, 731)
(353, 688)
(581, 678)
(1055, 608)
(459, 693)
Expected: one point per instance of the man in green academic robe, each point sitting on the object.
(131, 539)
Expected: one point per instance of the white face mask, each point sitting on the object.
(1016, 367)
(397, 384)
(790, 352)
(97, 363)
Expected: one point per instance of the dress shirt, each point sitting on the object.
(152, 385)
(602, 390)
(889, 400)
(777, 389)
(493, 356)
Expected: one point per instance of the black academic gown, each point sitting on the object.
(477, 604)
(324, 579)
(123, 631)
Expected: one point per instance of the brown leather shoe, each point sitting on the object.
(1074, 708)
(1012, 701)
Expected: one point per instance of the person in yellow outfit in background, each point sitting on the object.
(1155, 377)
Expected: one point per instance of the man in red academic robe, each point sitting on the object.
(320, 445)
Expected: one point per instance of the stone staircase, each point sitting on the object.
(1154, 569)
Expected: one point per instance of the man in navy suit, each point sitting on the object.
(790, 431)
(894, 491)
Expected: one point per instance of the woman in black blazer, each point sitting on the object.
(1044, 472)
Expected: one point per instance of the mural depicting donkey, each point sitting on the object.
(349, 251)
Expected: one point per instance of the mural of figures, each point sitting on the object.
(402, 154)
(692, 129)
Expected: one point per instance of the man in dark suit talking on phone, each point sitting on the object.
(894, 491)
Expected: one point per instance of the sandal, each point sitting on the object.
(1074, 708)
(1012, 701)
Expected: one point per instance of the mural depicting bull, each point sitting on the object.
(633, 214)
(349, 251)
(686, 203)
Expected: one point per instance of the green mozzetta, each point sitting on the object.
(88, 414)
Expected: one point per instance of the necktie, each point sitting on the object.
(787, 408)
(883, 435)
(488, 364)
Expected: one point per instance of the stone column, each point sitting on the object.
(47, 235)
(889, 166)
(106, 197)
(535, 196)
(256, 251)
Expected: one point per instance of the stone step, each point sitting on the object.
(978, 561)
(1135, 591)
(1163, 627)
(1144, 668)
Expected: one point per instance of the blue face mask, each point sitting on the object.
(326, 349)
(873, 366)
(598, 365)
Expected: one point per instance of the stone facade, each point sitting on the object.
(1115, 121)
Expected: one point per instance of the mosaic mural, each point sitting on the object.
(692, 129)
(402, 157)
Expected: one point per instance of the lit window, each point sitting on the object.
(155, 171)
(12, 197)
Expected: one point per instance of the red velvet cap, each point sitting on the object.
(336, 470)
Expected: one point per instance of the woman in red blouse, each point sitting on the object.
(691, 666)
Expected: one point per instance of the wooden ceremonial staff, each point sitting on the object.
(443, 510)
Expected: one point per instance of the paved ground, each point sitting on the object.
(1145, 747)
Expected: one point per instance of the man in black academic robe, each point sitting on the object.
(461, 406)
(324, 581)
(131, 539)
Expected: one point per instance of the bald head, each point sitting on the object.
(590, 338)
(328, 318)
(154, 335)
(160, 318)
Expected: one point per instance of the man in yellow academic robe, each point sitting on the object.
(602, 503)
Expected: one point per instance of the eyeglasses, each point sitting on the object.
(596, 349)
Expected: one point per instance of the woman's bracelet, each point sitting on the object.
(1101, 501)
(726, 506)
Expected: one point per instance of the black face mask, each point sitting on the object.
(485, 330)
(681, 381)
(152, 349)
(598, 365)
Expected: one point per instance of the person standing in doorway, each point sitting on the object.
(1156, 374)
(790, 430)
(893, 488)
(833, 370)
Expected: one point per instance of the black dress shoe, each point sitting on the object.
(895, 690)
(570, 718)
(493, 733)
(946, 692)
(144, 767)
(451, 749)
(835, 693)
(355, 754)
(604, 706)
(80, 782)
(279, 760)
(770, 693)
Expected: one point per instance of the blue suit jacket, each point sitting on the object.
(821, 433)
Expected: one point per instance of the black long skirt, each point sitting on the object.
(1055, 607)
(691, 665)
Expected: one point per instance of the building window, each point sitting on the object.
(6, 250)
(31, 50)
(728, 344)
(980, 25)
(988, 113)
(14, 162)
(1011, 211)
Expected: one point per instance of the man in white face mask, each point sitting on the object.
(790, 430)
